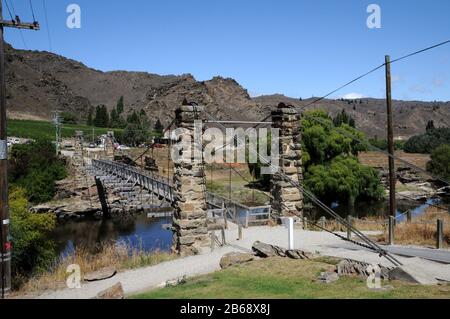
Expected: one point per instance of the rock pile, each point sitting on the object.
(266, 250)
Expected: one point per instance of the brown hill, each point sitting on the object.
(40, 82)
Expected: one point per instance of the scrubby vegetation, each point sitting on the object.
(33, 251)
(428, 142)
(35, 167)
(440, 162)
(120, 256)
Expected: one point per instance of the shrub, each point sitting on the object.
(440, 162)
(32, 251)
(426, 143)
(35, 167)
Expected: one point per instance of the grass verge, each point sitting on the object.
(286, 278)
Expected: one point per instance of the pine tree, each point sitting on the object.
(90, 119)
(159, 128)
(120, 106)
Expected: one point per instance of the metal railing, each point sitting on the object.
(162, 186)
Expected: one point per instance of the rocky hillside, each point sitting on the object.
(40, 82)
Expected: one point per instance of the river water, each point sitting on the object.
(148, 234)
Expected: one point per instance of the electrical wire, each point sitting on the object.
(13, 19)
(32, 11)
(47, 25)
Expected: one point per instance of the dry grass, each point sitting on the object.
(121, 257)
(422, 230)
(378, 159)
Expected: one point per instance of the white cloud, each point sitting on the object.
(418, 88)
(353, 96)
(395, 78)
(438, 81)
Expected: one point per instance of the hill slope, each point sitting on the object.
(40, 82)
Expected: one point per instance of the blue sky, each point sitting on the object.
(296, 48)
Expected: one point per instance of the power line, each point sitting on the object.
(373, 70)
(343, 86)
(32, 11)
(47, 25)
(13, 19)
(420, 51)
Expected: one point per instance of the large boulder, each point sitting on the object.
(235, 258)
(298, 254)
(266, 250)
(352, 267)
(115, 292)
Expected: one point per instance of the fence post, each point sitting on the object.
(440, 234)
(235, 214)
(408, 216)
(290, 226)
(213, 240)
(247, 217)
(322, 221)
(349, 231)
(239, 231)
(224, 215)
(305, 223)
(224, 242)
(391, 230)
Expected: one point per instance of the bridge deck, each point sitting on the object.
(164, 189)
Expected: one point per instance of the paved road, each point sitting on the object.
(441, 256)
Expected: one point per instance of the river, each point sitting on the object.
(148, 234)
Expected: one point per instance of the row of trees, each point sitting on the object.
(136, 125)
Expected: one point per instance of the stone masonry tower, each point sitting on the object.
(287, 199)
(190, 232)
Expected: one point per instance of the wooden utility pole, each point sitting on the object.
(390, 138)
(5, 238)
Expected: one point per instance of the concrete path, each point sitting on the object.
(144, 279)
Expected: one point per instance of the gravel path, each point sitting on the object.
(144, 279)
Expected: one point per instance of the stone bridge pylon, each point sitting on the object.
(287, 200)
(190, 230)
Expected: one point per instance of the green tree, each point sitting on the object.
(430, 126)
(120, 106)
(101, 116)
(35, 167)
(343, 179)
(33, 250)
(159, 128)
(90, 117)
(344, 118)
(427, 142)
(137, 130)
(440, 162)
(69, 118)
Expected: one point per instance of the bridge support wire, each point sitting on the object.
(373, 246)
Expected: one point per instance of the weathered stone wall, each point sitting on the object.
(287, 199)
(190, 232)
